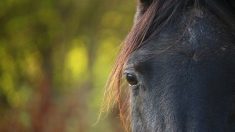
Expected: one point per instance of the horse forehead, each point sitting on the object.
(195, 32)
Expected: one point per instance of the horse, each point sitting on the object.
(179, 62)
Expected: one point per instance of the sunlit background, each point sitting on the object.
(55, 57)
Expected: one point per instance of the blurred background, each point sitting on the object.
(55, 57)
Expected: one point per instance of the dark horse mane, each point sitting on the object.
(150, 19)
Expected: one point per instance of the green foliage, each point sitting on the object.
(55, 57)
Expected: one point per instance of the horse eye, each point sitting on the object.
(131, 79)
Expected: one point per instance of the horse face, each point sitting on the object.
(183, 78)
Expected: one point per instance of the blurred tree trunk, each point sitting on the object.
(42, 106)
